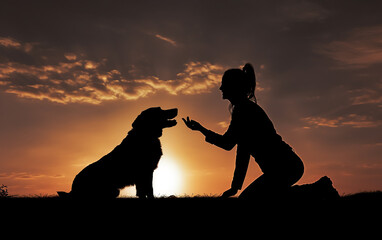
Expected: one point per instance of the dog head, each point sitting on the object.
(151, 121)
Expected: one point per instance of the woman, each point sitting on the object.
(253, 133)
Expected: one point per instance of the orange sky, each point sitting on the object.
(74, 77)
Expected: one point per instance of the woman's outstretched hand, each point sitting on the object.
(193, 125)
(230, 192)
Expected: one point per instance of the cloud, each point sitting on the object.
(26, 176)
(9, 42)
(69, 82)
(70, 56)
(360, 49)
(304, 11)
(76, 79)
(196, 78)
(166, 39)
(350, 120)
(367, 96)
(199, 77)
(12, 43)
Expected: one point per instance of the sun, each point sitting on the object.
(167, 179)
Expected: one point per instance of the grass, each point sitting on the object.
(204, 214)
(361, 196)
(357, 200)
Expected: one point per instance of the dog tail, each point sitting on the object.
(64, 195)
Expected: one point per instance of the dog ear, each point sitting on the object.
(143, 118)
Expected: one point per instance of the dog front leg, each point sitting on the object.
(149, 185)
(144, 186)
(140, 188)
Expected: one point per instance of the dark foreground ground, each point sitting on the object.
(209, 216)
(359, 201)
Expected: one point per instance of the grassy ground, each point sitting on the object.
(361, 197)
(361, 200)
(201, 217)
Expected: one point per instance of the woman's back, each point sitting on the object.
(252, 128)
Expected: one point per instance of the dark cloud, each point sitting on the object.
(351, 120)
(323, 56)
(360, 49)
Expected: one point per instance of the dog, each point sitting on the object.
(130, 163)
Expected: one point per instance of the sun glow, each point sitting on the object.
(167, 178)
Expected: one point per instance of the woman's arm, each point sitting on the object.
(242, 161)
(225, 141)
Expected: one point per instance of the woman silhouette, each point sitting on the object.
(255, 135)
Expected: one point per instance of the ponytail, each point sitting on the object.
(241, 81)
(250, 79)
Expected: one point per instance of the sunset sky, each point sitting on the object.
(75, 74)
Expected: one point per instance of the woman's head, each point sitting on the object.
(239, 84)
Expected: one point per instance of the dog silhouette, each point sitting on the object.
(130, 163)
